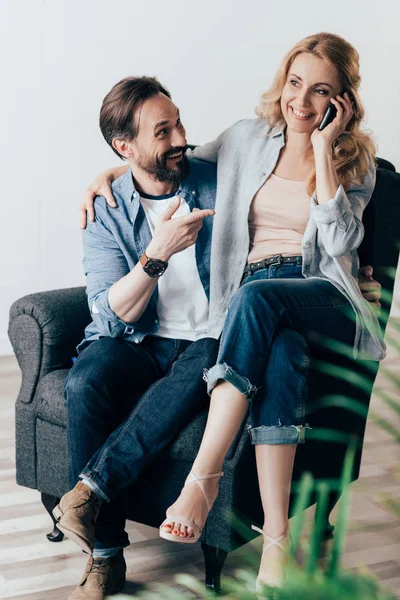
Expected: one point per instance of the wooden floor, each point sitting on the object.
(35, 569)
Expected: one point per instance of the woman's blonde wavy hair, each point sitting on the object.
(354, 150)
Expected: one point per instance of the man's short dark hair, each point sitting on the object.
(116, 114)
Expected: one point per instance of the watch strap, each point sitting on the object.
(144, 259)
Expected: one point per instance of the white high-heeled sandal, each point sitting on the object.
(197, 529)
(275, 576)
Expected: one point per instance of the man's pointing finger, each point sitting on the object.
(199, 215)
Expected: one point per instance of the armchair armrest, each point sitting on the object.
(44, 330)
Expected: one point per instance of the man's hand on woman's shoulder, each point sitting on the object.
(101, 186)
(370, 289)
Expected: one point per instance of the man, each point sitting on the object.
(147, 263)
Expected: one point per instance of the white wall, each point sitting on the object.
(60, 58)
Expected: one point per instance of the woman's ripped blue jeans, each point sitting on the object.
(271, 320)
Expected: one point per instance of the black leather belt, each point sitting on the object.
(278, 259)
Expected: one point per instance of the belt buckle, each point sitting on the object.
(276, 264)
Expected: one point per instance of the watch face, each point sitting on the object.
(155, 267)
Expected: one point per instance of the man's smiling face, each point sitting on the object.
(160, 144)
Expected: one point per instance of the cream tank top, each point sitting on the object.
(278, 218)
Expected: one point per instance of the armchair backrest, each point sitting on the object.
(380, 246)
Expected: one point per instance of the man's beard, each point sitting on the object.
(159, 170)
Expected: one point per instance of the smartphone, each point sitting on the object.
(328, 117)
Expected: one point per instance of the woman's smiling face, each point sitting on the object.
(310, 84)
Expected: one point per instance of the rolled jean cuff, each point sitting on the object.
(94, 486)
(225, 372)
(106, 552)
(278, 434)
(121, 542)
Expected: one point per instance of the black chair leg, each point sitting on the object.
(49, 502)
(214, 559)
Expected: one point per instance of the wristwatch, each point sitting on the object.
(154, 267)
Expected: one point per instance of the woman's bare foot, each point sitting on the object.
(192, 505)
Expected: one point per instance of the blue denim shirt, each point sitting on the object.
(114, 242)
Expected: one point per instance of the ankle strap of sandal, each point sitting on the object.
(192, 478)
(270, 541)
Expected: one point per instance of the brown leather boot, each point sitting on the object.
(102, 576)
(76, 515)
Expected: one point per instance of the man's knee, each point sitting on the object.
(92, 369)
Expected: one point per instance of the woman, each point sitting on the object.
(300, 275)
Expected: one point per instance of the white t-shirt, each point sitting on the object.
(182, 302)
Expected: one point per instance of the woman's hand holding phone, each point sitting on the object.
(344, 112)
(326, 177)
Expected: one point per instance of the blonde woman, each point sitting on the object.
(289, 205)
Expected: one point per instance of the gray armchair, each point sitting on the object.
(44, 330)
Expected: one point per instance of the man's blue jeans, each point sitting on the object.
(271, 321)
(125, 403)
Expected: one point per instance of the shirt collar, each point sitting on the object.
(279, 129)
(125, 186)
